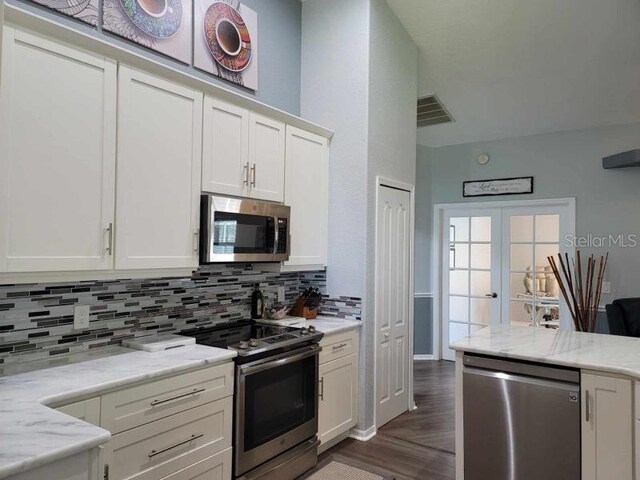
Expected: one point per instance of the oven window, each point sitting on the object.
(238, 233)
(278, 400)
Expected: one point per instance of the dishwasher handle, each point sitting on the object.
(511, 377)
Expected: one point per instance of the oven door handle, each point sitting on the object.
(268, 364)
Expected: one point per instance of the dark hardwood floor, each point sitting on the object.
(417, 445)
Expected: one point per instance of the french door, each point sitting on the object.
(471, 272)
(495, 269)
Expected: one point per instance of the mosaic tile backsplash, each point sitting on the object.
(36, 320)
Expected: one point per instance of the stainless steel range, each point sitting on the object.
(276, 397)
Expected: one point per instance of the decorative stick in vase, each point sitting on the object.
(582, 294)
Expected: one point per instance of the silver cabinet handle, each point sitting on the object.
(153, 453)
(338, 347)
(196, 238)
(253, 176)
(170, 399)
(322, 388)
(587, 401)
(245, 173)
(110, 239)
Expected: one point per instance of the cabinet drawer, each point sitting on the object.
(216, 467)
(167, 446)
(135, 406)
(338, 346)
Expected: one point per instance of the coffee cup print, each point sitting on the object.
(161, 25)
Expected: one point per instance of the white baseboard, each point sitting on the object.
(363, 435)
(422, 358)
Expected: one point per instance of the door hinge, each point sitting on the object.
(105, 476)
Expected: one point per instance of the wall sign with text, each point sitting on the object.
(500, 186)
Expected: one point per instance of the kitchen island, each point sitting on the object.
(606, 369)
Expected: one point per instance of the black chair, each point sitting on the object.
(623, 317)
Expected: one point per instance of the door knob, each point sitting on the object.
(492, 295)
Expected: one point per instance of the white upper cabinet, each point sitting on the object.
(57, 165)
(158, 179)
(266, 158)
(225, 149)
(306, 192)
(243, 152)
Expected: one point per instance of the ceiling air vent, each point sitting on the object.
(432, 112)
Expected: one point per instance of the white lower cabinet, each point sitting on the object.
(161, 448)
(176, 428)
(87, 410)
(607, 427)
(338, 397)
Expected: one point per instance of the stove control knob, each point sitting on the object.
(243, 345)
(312, 329)
(253, 342)
(304, 331)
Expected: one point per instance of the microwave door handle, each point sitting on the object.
(267, 365)
(276, 235)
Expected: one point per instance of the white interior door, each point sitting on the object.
(392, 297)
(471, 273)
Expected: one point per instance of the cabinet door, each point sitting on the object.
(337, 411)
(607, 428)
(225, 149)
(158, 179)
(57, 166)
(87, 410)
(307, 193)
(266, 158)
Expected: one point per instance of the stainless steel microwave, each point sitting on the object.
(242, 230)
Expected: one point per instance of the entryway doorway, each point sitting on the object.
(394, 309)
(493, 268)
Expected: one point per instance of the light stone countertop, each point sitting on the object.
(32, 434)
(589, 351)
(324, 324)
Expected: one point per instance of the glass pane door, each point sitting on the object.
(472, 274)
(533, 289)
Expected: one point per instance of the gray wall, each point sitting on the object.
(422, 326)
(375, 134)
(279, 30)
(334, 94)
(565, 164)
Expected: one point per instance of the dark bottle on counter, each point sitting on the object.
(257, 303)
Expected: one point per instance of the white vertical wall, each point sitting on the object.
(359, 77)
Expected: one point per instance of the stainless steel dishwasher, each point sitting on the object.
(521, 420)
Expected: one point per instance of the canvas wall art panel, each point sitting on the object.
(226, 41)
(84, 10)
(161, 25)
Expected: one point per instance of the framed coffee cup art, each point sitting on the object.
(84, 10)
(226, 41)
(164, 26)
